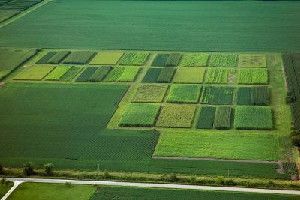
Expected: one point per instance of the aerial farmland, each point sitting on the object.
(149, 99)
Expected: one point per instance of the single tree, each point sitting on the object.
(49, 169)
(28, 169)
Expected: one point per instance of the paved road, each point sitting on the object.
(16, 184)
(153, 185)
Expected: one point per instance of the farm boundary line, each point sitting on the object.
(153, 185)
(214, 159)
(25, 12)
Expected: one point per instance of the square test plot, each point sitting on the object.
(253, 76)
(134, 58)
(252, 60)
(150, 93)
(189, 75)
(106, 58)
(184, 93)
(223, 60)
(33, 73)
(194, 60)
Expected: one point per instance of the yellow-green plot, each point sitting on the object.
(106, 58)
(34, 73)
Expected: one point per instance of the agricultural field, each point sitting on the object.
(41, 191)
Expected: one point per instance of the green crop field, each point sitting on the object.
(33, 73)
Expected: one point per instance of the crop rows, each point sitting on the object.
(159, 75)
(253, 76)
(259, 95)
(166, 60)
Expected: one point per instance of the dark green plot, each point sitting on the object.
(86, 75)
(214, 95)
(152, 75)
(206, 117)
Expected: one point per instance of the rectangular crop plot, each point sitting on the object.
(217, 95)
(33, 73)
(166, 60)
(71, 74)
(58, 57)
(176, 116)
(166, 75)
(106, 58)
(253, 96)
(152, 75)
(122, 74)
(194, 60)
(223, 117)
(253, 76)
(223, 60)
(86, 75)
(134, 58)
(216, 75)
(100, 74)
(189, 75)
(57, 73)
(180, 93)
(252, 60)
(206, 117)
(150, 93)
(79, 57)
(140, 114)
(253, 117)
(45, 58)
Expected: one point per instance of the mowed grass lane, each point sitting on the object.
(42, 191)
(159, 25)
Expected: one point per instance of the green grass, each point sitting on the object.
(57, 73)
(253, 76)
(216, 75)
(150, 93)
(79, 57)
(106, 58)
(151, 27)
(252, 60)
(4, 187)
(218, 144)
(189, 75)
(180, 93)
(43, 191)
(253, 117)
(173, 115)
(223, 60)
(134, 58)
(140, 114)
(36, 73)
(126, 193)
(194, 60)
(10, 59)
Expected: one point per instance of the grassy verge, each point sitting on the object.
(4, 187)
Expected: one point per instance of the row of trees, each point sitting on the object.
(28, 169)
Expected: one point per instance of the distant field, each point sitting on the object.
(42, 191)
(159, 25)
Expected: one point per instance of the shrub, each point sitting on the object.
(139, 114)
(79, 57)
(35, 73)
(134, 58)
(86, 75)
(58, 57)
(184, 93)
(152, 75)
(100, 74)
(49, 169)
(223, 117)
(253, 117)
(216, 75)
(253, 76)
(189, 75)
(206, 117)
(173, 115)
(166, 75)
(28, 169)
(194, 60)
(57, 73)
(46, 58)
(217, 95)
(71, 74)
(150, 93)
(223, 60)
(252, 60)
(106, 58)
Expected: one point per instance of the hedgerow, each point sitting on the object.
(223, 117)
(194, 60)
(253, 117)
(216, 75)
(100, 74)
(134, 58)
(252, 60)
(106, 58)
(86, 75)
(206, 117)
(223, 60)
(45, 58)
(253, 76)
(217, 95)
(180, 93)
(57, 73)
(174, 115)
(166, 75)
(140, 114)
(189, 75)
(79, 57)
(71, 74)
(36, 73)
(150, 93)
(253, 96)
(58, 57)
